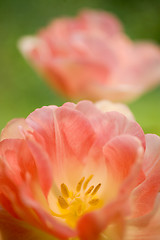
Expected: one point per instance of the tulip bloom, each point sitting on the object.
(75, 172)
(90, 57)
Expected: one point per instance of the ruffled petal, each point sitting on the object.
(23, 198)
(144, 196)
(121, 154)
(146, 226)
(122, 125)
(101, 20)
(90, 57)
(13, 129)
(12, 228)
(65, 136)
(63, 126)
(107, 106)
(110, 124)
(45, 220)
(90, 225)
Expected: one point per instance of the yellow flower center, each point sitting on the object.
(73, 204)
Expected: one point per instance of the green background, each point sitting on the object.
(22, 90)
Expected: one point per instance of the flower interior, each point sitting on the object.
(76, 202)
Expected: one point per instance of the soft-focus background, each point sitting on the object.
(21, 90)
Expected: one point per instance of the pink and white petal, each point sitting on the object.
(66, 136)
(144, 196)
(152, 154)
(74, 138)
(27, 45)
(46, 221)
(122, 125)
(121, 153)
(63, 128)
(115, 92)
(13, 129)
(145, 227)
(92, 113)
(42, 162)
(41, 120)
(18, 170)
(111, 123)
(108, 125)
(101, 20)
(70, 105)
(92, 224)
(107, 106)
(74, 76)
(16, 159)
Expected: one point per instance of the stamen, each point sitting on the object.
(79, 185)
(96, 189)
(94, 202)
(87, 181)
(89, 190)
(62, 202)
(64, 190)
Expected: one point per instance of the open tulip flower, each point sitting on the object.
(90, 57)
(75, 172)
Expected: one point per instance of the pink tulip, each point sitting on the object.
(75, 172)
(90, 57)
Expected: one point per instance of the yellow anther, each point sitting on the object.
(87, 181)
(94, 202)
(96, 189)
(89, 190)
(64, 190)
(79, 185)
(62, 202)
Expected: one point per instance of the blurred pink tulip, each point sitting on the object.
(75, 172)
(90, 57)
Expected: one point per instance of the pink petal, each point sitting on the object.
(110, 124)
(19, 196)
(144, 196)
(12, 228)
(12, 129)
(107, 106)
(63, 128)
(90, 225)
(65, 136)
(124, 126)
(16, 166)
(90, 57)
(121, 154)
(42, 162)
(101, 20)
(46, 221)
(146, 226)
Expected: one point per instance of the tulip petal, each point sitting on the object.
(12, 228)
(90, 57)
(110, 124)
(12, 129)
(93, 223)
(124, 126)
(121, 154)
(144, 195)
(65, 136)
(107, 106)
(101, 20)
(146, 226)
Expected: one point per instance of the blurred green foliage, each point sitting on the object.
(22, 90)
